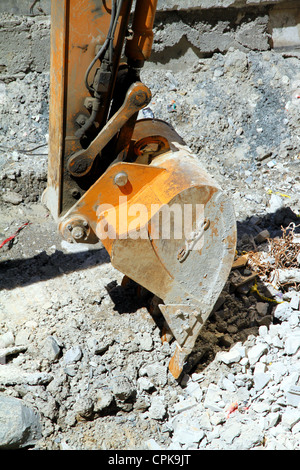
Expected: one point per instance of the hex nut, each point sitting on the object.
(78, 232)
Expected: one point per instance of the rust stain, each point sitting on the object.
(84, 47)
(175, 364)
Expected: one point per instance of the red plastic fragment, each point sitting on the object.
(14, 235)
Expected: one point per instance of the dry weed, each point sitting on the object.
(282, 253)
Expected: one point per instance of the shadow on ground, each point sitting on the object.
(234, 319)
(41, 267)
(22, 272)
(274, 223)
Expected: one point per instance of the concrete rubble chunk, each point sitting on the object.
(84, 408)
(263, 330)
(19, 425)
(73, 354)
(290, 417)
(275, 203)
(153, 445)
(293, 395)
(292, 344)
(99, 347)
(157, 373)
(250, 437)
(122, 388)
(228, 385)
(232, 431)
(290, 275)
(145, 384)
(187, 433)
(283, 311)
(213, 398)
(146, 341)
(11, 197)
(294, 302)
(7, 339)
(12, 375)
(183, 405)
(255, 353)
(261, 407)
(194, 390)
(103, 401)
(231, 356)
(294, 318)
(11, 351)
(51, 349)
(261, 379)
(259, 368)
(273, 419)
(158, 409)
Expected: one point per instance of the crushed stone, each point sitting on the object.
(88, 357)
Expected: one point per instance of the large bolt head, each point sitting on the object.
(121, 178)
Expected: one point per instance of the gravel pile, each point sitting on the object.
(82, 362)
(24, 108)
(239, 113)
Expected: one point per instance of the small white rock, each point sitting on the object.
(294, 302)
(261, 380)
(74, 354)
(292, 344)
(229, 357)
(255, 353)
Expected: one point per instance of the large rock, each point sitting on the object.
(19, 425)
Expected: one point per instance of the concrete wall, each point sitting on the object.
(22, 7)
(184, 29)
(284, 25)
(24, 45)
(209, 4)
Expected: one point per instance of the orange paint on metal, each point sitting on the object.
(147, 185)
(175, 364)
(109, 205)
(77, 29)
(56, 108)
(137, 97)
(139, 47)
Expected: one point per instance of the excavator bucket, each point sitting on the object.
(132, 184)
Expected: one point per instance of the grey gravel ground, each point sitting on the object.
(83, 354)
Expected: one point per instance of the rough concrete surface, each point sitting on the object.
(23, 6)
(83, 353)
(25, 39)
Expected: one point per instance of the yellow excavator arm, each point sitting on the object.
(131, 183)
